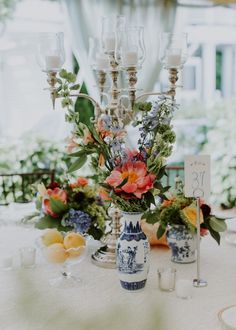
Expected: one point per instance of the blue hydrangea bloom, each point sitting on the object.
(80, 220)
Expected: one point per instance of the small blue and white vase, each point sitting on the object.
(183, 244)
(132, 253)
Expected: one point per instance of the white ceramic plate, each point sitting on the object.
(228, 317)
(231, 224)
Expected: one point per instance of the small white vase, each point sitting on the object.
(132, 253)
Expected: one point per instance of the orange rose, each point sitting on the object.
(80, 182)
(104, 195)
(167, 202)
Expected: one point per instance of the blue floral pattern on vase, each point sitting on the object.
(132, 253)
(182, 243)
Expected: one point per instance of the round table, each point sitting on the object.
(29, 302)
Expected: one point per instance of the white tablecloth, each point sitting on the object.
(28, 302)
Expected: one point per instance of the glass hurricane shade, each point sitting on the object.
(111, 24)
(97, 59)
(130, 48)
(51, 53)
(173, 50)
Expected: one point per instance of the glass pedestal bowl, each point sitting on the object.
(64, 255)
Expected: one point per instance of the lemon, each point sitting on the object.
(56, 253)
(52, 236)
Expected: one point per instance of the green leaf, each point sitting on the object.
(95, 134)
(151, 216)
(165, 189)
(95, 232)
(58, 206)
(215, 235)
(78, 153)
(161, 231)
(46, 222)
(82, 152)
(71, 77)
(63, 74)
(217, 225)
(163, 197)
(150, 198)
(158, 185)
(78, 163)
(105, 185)
(75, 87)
(161, 172)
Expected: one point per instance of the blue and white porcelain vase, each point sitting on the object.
(132, 253)
(183, 244)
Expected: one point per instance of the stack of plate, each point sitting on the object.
(230, 237)
(227, 316)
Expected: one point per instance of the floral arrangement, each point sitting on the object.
(130, 178)
(181, 210)
(71, 206)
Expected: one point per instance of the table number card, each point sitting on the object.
(197, 176)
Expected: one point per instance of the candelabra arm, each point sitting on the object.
(173, 77)
(97, 107)
(148, 94)
(85, 96)
(52, 80)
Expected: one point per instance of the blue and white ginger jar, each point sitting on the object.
(132, 253)
(183, 244)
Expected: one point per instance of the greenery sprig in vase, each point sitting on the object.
(71, 206)
(129, 178)
(181, 210)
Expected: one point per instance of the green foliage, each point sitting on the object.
(49, 222)
(143, 106)
(7, 8)
(78, 198)
(220, 144)
(78, 163)
(173, 212)
(219, 58)
(30, 155)
(84, 107)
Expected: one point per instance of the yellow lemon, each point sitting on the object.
(74, 240)
(52, 236)
(76, 252)
(56, 253)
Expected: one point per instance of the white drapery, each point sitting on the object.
(84, 21)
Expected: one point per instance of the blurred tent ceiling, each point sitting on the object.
(206, 3)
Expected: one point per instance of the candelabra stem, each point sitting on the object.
(101, 83)
(173, 77)
(52, 80)
(114, 88)
(132, 80)
(106, 256)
